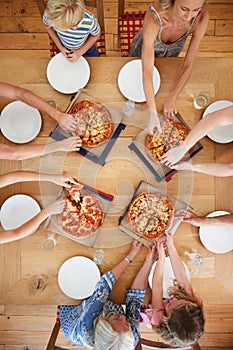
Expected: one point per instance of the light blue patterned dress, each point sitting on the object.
(77, 321)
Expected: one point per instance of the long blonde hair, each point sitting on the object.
(184, 324)
(64, 14)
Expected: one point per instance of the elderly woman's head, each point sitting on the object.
(113, 332)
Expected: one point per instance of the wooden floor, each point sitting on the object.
(25, 327)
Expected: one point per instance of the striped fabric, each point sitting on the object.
(75, 38)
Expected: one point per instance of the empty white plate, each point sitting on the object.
(77, 277)
(217, 238)
(67, 77)
(17, 210)
(130, 81)
(220, 134)
(19, 122)
(168, 275)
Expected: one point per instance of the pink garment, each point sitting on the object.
(153, 317)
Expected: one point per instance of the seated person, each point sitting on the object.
(55, 207)
(73, 29)
(100, 324)
(166, 26)
(178, 319)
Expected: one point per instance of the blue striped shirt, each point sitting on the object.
(75, 38)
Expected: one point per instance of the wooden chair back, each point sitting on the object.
(128, 26)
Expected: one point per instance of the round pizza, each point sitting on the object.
(150, 214)
(173, 134)
(94, 122)
(82, 214)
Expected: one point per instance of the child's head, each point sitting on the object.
(183, 323)
(64, 14)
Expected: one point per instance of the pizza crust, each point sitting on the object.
(150, 214)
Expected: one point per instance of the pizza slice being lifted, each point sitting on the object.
(82, 214)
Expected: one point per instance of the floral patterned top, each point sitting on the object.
(77, 321)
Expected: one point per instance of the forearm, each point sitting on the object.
(24, 230)
(23, 176)
(214, 169)
(92, 39)
(120, 268)
(157, 285)
(55, 38)
(178, 269)
(181, 80)
(141, 280)
(213, 221)
(200, 130)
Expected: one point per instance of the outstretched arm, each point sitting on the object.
(32, 225)
(23, 176)
(141, 280)
(157, 282)
(149, 32)
(186, 70)
(191, 218)
(214, 169)
(13, 92)
(221, 117)
(21, 152)
(177, 265)
(123, 264)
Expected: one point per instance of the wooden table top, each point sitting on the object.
(29, 274)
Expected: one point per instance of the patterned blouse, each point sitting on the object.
(77, 321)
(74, 38)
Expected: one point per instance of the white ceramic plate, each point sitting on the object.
(18, 209)
(168, 275)
(67, 77)
(130, 81)
(220, 134)
(77, 277)
(19, 122)
(217, 239)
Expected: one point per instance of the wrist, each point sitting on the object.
(127, 259)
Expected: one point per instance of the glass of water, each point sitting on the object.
(49, 243)
(98, 256)
(202, 100)
(196, 258)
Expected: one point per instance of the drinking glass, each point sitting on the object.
(98, 256)
(202, 100)
(49, 243)
(196, 258)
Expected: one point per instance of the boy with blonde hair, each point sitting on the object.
(73, 29)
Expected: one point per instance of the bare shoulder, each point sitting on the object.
(202, 21)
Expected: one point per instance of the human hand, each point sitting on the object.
(153, 124)
(189, 217)
(134, 249)
(64, 51)
(169, 240)
(173, 156)
(72, 143)
(65, 180)
(152, 254)
(67, 122)
(169, 109)
(74, 55)
(55, 207)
